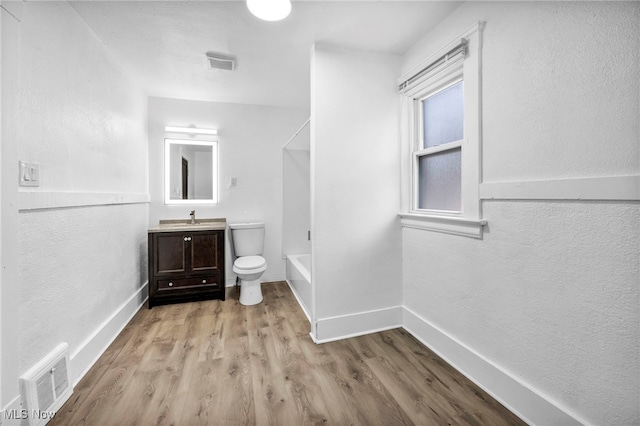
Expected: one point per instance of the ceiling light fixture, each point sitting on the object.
(191, 130)
(270, 10)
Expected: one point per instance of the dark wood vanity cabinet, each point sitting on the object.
(186, 266)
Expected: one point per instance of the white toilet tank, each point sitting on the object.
(248, 238)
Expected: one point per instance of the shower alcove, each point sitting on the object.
(296, 218)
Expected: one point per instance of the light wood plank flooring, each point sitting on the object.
(221, 363)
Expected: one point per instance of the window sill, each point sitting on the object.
(471, 228)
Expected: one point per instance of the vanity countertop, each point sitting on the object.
(182, 225)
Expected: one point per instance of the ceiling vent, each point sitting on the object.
(220, 61)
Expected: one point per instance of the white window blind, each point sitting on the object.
(452, 56)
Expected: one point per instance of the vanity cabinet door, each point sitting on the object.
(206, 251)
(169, 254)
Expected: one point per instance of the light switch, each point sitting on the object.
(29, 174)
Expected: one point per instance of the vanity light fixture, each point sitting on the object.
(270, 10)
(191, 130)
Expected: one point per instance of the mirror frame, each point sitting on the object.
(167, 170)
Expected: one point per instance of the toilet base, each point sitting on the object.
(250, 292)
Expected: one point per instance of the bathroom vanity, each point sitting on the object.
(186, 261)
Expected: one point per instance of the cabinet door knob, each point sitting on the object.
(204, 281)
(170, 284)
(186, 238)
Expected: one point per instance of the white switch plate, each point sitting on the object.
(29, 174)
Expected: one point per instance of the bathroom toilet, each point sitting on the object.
(248, 243)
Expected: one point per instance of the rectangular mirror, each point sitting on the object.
(190, 171)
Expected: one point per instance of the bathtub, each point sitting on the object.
(299, 279)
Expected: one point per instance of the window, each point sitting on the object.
(439, 151)
(441, 140)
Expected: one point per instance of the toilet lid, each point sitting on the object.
(249, 262)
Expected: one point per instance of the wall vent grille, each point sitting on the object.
(221, 61)
(45, 387)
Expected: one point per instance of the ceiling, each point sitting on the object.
(163, 43)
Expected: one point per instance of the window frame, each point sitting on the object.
(468, 221)
(418, 151)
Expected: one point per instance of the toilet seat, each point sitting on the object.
(246, 263)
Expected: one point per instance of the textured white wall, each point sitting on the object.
(3, 13)
(9, 292)
(250, 140)
(82, 116)
(84, 122)
(355, 182)
(77, 266)
(564, 76)
(551, 294)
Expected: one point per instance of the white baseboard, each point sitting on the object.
(11, 414)
(88, 353)
(516, 396)
(359, 324)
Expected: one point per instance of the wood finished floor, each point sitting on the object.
(221, 363)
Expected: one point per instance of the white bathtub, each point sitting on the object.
(299, 279)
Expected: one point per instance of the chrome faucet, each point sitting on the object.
(193, 217)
